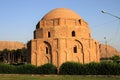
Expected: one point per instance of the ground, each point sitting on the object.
(56, 77)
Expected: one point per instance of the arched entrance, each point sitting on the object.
(48, 51)
(80, 46)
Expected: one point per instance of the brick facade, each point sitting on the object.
(60, 36)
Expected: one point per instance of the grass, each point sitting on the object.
(56, 77)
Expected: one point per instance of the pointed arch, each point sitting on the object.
(48, 50)
(82, 49)
(80, 44)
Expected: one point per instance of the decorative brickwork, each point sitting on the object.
(60, 36)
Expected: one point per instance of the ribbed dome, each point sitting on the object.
(61, 13)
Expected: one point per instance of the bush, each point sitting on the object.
(103, 68)
(109, 68)
(115, 58)
(26, 69)
(47, 69)
(91, 68)
(7, 69)
(71, 68)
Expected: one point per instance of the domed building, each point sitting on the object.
(61, 36)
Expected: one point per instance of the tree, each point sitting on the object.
(5, 56)
(13, 56)
(1, 56)
(115, 58)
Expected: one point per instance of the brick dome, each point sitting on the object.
(61, 13)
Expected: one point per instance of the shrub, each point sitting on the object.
(47, 69)
(91, 68)
(103, 68)
(26, 69)
(115, 58)
(7, 69)
(71, 68)
(109, 68)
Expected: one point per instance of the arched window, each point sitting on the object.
(79, 21)
(75, 49)
(73, 33)
(47, 50)
(49, 35)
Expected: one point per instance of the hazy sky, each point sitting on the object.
(18, 18)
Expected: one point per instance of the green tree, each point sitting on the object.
(23, 54)
(115, 58)
(5, 56)
(13, 56)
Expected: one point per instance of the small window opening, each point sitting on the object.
(79, 21)
(46, 50)
(73, 33)
(49, 34)
(75, 49)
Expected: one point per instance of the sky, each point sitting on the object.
(18, 18)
